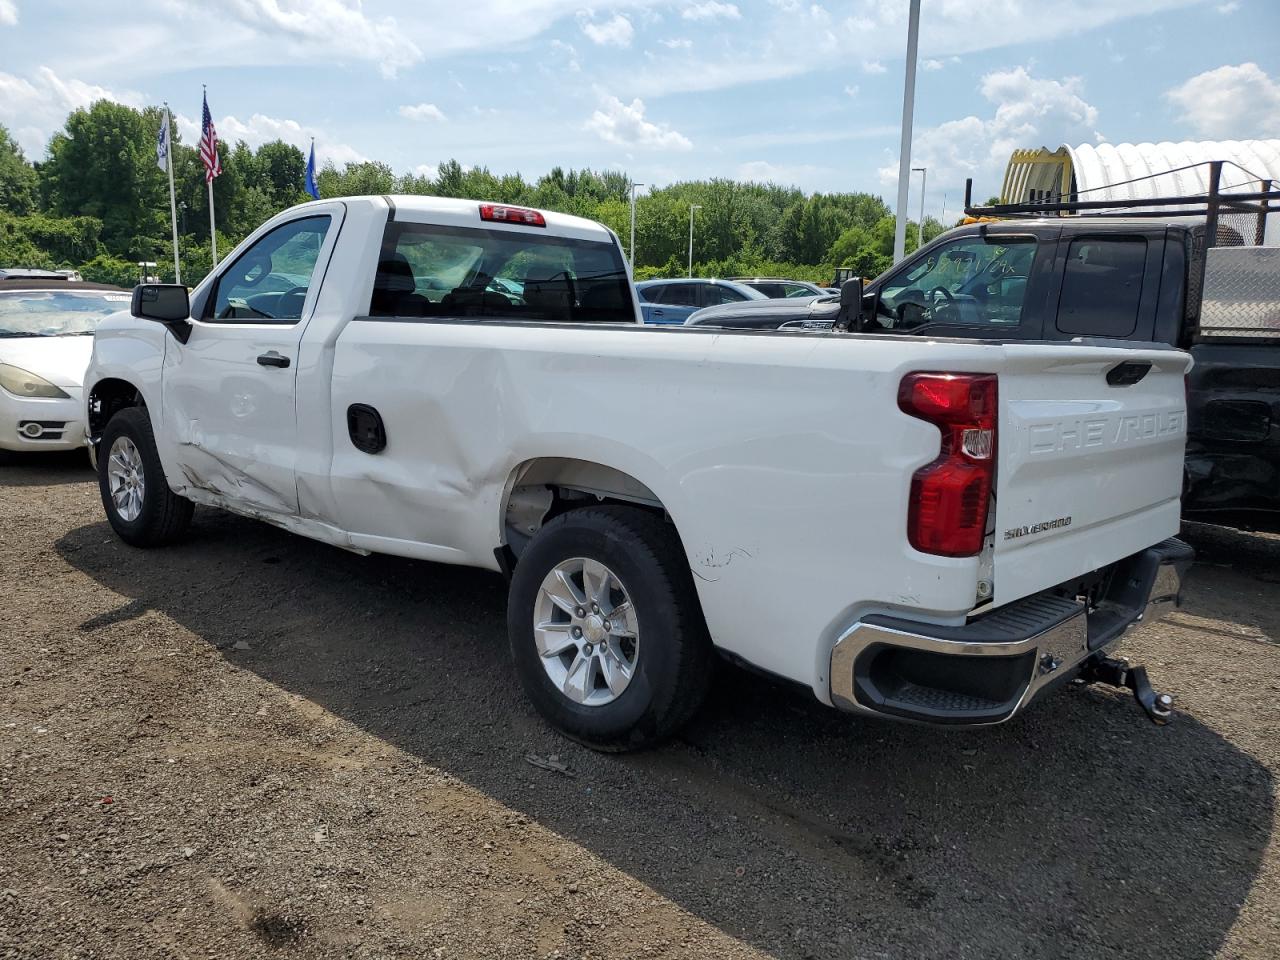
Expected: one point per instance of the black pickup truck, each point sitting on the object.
(1143, 278)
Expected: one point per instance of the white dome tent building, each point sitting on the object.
(1140, 171)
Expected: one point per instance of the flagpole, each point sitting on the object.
(213, 230)
(173, 201)
(208, 179)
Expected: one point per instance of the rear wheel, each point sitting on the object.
(140, 507)
(606, 632)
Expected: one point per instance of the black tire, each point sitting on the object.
(165, 516)
(674, 657)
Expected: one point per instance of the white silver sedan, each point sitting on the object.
(46, 337)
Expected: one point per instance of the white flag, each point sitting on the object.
(162, 143)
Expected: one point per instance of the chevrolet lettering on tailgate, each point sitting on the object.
(1077, 434)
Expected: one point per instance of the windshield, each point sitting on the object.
(56, 313)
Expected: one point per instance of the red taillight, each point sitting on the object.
(949, 497)
(499, 213)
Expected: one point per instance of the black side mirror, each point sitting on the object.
(165, 303)
(850, 315)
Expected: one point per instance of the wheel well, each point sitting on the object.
(540, 490)
(106, 398)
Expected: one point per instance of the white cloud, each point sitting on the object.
(566, 52)
(1029, 111)
(260, 129)
(428, 170)
(677, 43)
(421, 111)
(614, 32)
(34, 108)
(8, 13)
(625, 125)
(787, 175)
(337, 28)
(851, 90)
(789, 38)
(1230, 102)
(711, 10)
(873, 66)
(932, 64)
(1231, 6)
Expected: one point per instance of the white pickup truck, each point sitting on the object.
(936, 531)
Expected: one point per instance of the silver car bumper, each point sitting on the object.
(988, 669)
(32, 424)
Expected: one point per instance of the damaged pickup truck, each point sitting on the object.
(939, 531)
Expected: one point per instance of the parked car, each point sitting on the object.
(35, 273)
(672, 301)
(960, 542)
(45, 328)
(776, 288)
(772, 314)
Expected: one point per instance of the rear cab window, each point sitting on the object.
(1102, 286)
(444, 271)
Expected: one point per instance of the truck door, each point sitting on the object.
(229, 391)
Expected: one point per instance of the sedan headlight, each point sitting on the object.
(23, 383)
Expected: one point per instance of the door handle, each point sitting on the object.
(272, 359)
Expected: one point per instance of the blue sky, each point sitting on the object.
(798, 93)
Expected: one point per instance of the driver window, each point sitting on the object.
(969, 281)
(268, 282)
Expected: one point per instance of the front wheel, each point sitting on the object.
(140, 507)
(606, 631)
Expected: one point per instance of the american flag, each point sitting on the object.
(209, 145)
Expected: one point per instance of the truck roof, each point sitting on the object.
(461, 212)
(1085, 222)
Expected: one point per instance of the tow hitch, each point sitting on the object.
(1119, 673)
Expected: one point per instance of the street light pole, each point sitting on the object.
(692, 207)
(633, 228)
(924, 179)
(904, 151)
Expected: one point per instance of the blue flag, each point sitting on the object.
(312, 187)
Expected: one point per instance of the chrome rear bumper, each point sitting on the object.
(988, 669)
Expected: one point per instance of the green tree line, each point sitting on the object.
(98, 202)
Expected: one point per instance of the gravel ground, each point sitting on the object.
(254, 745)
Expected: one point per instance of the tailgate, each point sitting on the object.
(1090, 461)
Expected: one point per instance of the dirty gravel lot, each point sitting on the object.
(253, 745)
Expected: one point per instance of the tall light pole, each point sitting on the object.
(924, 179)
(692, 207)
(904, 152)
(633, 227)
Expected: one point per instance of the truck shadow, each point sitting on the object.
(1079, 829)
